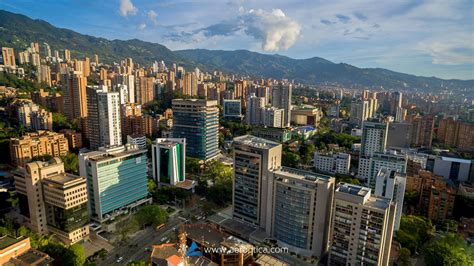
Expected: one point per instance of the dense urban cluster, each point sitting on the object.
(117, 162)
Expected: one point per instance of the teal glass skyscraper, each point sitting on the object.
(197, 121)
(116, 179)
(169, 159)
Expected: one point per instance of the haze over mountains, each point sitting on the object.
(18, 31)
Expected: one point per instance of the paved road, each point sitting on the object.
(134, 249)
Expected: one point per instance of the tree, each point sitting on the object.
(151, 184)
(347, 179)
(79, 254)
(451, 249)
(151, 215)
(449, 226)
(411, 199)
(414, 232)
(60, 122)
(127, 226)
(404, 257)
(71, 163)
(193, 165)
(307, 152)
(290, 159)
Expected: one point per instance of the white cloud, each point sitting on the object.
(127, 8)
(141, 27)
(275, 30)
(453, 49)
(152, 15)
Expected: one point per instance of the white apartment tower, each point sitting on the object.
(391, 184)
(362, 227)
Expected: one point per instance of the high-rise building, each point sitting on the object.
(391, 184)
(455, 133)
(32, 117)
(116, 179)
(197, 121)
(359, 112)
(399, 135)
(67, 55)
(144, 89)
(44, 75)
(35, 59)
(389, 160)
(400, 114)
(53, 201)
(104, 118)
(281, 98)
(374, 138)
(129, 82)
(169, 160)
(39, 143)
(8, 55)
(254, 106)
(337, 163)
(232, 109)
(302, 206)
(74, 93)
(422, 130)
(436, 195)
(273, 117)
(47, 51)
(361, 228)
(254, 160)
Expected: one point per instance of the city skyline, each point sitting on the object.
(428, 38)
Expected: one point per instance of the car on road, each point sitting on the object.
(119, 259)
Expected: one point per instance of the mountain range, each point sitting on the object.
(18, 31)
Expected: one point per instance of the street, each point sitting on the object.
(134, 248)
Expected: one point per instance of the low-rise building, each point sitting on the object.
(280, 135)
(35, 144)
(52, 201)
(334, 163)
(74, 138)
(436, 195)
(17, 251)
(306, 116)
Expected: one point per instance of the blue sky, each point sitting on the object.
(429, 38)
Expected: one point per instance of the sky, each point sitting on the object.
(421, 37)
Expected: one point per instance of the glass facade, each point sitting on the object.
(67, 220)
(121, 181)
(246, 186)
(292, 211)
(200, 129)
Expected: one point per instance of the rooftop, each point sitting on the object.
(301, 174)
(353, 189)
(111, 153)
(65, 179)
(267, 260)
(255, 142)
(457, 160)
(6, 241)
(34, 257)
